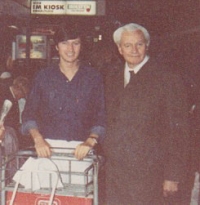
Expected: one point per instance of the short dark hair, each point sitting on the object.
(64, 34)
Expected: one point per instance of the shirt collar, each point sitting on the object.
(137, 67)
(11, 90)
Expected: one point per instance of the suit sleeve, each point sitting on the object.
(177, 136)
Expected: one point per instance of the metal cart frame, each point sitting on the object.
(89, 188)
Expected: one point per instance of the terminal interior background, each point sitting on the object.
(174, 27)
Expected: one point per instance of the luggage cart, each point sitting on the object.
(71, 193)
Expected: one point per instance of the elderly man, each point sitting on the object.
(147, 142)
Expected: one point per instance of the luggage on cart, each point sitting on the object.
(73, 186)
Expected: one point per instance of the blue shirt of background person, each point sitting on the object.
(66, 101)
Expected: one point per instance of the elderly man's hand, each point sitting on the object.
(169, 188)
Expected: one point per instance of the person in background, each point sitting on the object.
(11, 139)
(66, 101)
(6, 77)
(9, 143)
(15, 91)
(7, 69)
(2, 131)
(147, 132)
(103, 57)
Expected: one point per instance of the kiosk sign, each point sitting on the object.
(63, 7)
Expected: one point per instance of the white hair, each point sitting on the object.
(130, 27)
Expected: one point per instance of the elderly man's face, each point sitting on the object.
(133, 47)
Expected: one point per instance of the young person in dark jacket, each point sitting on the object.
(66, 101)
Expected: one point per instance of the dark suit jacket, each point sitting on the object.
(147, 140)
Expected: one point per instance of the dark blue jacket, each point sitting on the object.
(63, 109)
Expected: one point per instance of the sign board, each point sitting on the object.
(63, 7)
(27, 198)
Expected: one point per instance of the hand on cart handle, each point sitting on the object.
(83, 149)
(42, 147)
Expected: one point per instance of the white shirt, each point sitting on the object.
(21, 104)
(135, 70)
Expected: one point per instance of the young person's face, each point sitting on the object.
(133, 47)
(20, 93)
(69, 50)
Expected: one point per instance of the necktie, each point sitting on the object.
(129, 75)
(132, 76)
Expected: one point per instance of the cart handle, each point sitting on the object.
(30, 151)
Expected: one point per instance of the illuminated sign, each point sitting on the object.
(38, 47)
(78, 7)
(63, 7)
